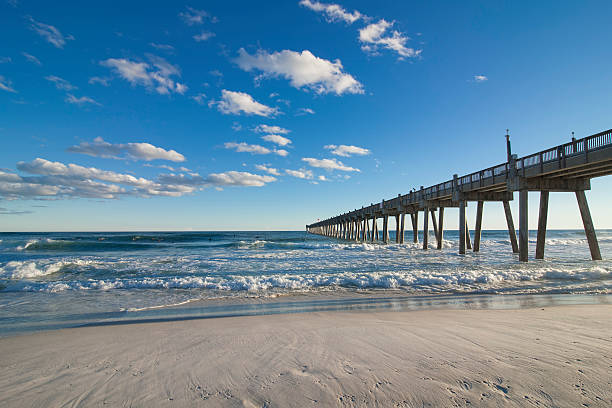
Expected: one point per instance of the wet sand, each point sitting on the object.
(557, 356)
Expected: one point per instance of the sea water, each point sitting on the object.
(56, 280)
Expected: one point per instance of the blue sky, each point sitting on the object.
(242, 115)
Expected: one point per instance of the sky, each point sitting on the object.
(242, 115)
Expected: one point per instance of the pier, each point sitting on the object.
(565, 168)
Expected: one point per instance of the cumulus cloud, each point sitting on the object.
(238, 178)
(193, 16)
(269, 170)
(163, 47)
(277, 139)
(281, 152)
(302, 174)
(199, 98)
(376, 35)
(271, 129)
(333, 12)
(99, 80)
(347, 151)
(31, 58)
(6, 85)
(83, 100)
(60, 83)
(135, 151)
(302, 69)
(328, 164)
(49, 33)
(55, 180)
(236, 103)
(480, 78)
(243, 147)
(203, 36)
(156, 75)
(304, 111)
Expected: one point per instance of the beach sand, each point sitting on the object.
(551, 357)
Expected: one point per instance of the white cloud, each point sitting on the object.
(6, 85)
(199, 98)
(203, 36)
(243, 147)
(269, 170)
(60, 83)
(347, 151)
(31, 58)
(238, 178)
(135, 151)
(302, 174)
(322, 178)
(375, 35)
(240, 102)
(271, 129)
(99, 80)
(303, 70)
(304, 111)
(162, 47)
(55, 180)
(49, 33)
(281, 152)
(194, 17)
(6, 211)
(480, 78)
(328, 164)
(80, 101)
(277, 139)
(157, 75)
(333, 12)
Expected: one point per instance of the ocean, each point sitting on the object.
(59, 280)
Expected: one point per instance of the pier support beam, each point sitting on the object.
(397, 229)
(386, 229)
(523, 226)
(376, 234)
(433, 222)
(589, 229)
(542, 219)
(468, 240)
(415, 227)
(478, 230)
(511, 229)
(462, 227)
(440, 227)
(401, 239)
(426, 228)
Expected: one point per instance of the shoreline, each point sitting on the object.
(364, 301)
(551, 356)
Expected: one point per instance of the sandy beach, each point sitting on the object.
(544, 357)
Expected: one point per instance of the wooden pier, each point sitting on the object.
(565, 168)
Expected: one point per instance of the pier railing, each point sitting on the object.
(499, 173)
